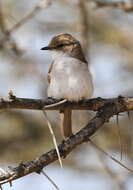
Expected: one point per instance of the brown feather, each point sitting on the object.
(66, 123)
(49, 71)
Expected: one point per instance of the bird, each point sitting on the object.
(69, 76)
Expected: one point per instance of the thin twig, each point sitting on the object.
(106, 109)
(56, 187)
(110, 172)
(84, 25)
(2, 18)
(119, 137)
(43, 4)
(7, 35)
(127, 6)
(111, 157)
(56, 104)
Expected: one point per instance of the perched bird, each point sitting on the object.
(69, 76)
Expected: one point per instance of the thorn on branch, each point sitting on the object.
(128, 114)
(119, 135)
(39, 170)
(10, 182)
(117, 119)
(51, 181)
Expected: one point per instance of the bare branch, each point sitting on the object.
(7, 33)
(127, 6)
(106, 109)
(2, 18)
(38, 104)
(43, 4)
(84, 24)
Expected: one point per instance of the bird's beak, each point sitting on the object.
(47, 48)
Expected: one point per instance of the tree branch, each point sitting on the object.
(38, 104)
(106, 109)
(7, 33)
(126, 6)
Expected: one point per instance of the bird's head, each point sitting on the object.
(65, 44)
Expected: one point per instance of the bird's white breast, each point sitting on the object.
(70, 79)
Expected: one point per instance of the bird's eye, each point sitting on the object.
(60, 45)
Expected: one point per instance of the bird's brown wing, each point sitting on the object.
(49, 72)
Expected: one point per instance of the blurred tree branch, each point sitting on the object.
(8, 32)
(84, 24)
(127, 6)
(2, 18)
(105, 108)
(43, 4)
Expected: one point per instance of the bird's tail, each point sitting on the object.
(66, 123)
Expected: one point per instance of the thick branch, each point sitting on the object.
(38, 104)
(107, 108)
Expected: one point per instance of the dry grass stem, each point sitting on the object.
(53, 137)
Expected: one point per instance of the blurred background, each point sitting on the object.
(107, 40)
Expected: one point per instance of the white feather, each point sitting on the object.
(70, 78)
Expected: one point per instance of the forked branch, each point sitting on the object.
(105, 108)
